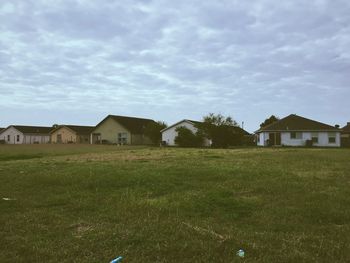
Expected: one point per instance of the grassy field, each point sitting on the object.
(93, 203)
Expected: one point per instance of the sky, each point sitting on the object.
(74, 62)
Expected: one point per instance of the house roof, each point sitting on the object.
(346, 128)
(32, 129)
(236, 128)
(184, 120)
(76, 128)
(294, 122)
(133, 124)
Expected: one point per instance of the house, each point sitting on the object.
(18, 134)
(295, 130)
(169, 134)
(122, 130)
(345, 135)
(71, 134)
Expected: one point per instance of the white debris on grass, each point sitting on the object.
(8, 199)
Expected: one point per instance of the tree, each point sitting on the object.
(186, 138)
(269, 121)
(222, 131)
(153, 129)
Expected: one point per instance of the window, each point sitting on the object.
(314, 137)
(17, 138)
(295, 135)
(331, 137)
(8, 138)
(122, 138)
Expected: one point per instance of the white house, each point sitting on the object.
(295, 130)
(169, 134)
(17, 134)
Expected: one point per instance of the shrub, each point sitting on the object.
(186, 138)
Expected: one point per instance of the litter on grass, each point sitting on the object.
(240, 253)
(116, 260)
(8, 199)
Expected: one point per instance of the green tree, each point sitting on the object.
(153, 129)
(186, 138)
(222, 131)
(269, 121)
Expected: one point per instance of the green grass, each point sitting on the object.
(93, 203)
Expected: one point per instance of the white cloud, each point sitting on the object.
(174, 60)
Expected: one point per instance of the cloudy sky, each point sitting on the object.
(74, 62)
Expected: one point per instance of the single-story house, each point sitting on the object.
(169, 133)
(71, 134)
(295, 130)
(121, 130)
(19, 134)
(345, 135)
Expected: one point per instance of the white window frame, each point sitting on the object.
(296, 135)
(314, 135)
(332, 135)
(122, 137)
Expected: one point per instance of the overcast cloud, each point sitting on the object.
(77, 61)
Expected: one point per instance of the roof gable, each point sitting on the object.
(177, 123)
(294, 122)
(132, 124)
(76, 128)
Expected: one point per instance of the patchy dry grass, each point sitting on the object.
(92, 203)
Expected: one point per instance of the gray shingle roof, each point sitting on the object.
(33, 129)
(133, 124)
(294, 122)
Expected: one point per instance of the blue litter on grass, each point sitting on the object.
(116, 260)
(240, 253)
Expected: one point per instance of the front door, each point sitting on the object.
(59, 138)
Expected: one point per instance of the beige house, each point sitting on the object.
(121, 130)
(71, 134)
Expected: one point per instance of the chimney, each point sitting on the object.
(348, 123)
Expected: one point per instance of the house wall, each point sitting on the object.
(322, 139)
(170, 134)
(138, 139)
(23, 138)
(263, 137)
(287, 141)
(34, 138)
(67, 135)
(109, 130)
(13, 136)
(83, 138)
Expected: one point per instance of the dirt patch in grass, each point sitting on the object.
(80, 229)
